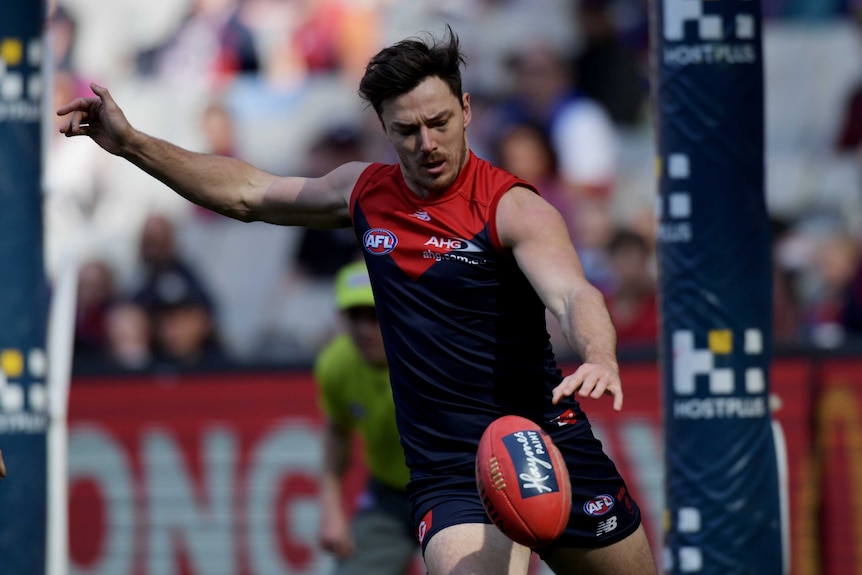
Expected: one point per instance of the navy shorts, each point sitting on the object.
(603, 510)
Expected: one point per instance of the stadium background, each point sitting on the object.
(157, 497)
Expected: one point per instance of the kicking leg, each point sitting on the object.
(630, 556)
(475, 549)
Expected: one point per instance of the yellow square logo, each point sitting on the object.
(12, 362)
(721, 341)
(11, 51)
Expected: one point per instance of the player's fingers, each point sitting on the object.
(78, 104)
(618, 399)
(564, 388)
(101, 92)
(592, 385)
(601, 385)
(569, 385)
(104, 95)
(609, 385)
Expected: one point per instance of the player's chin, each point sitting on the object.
(438, 183)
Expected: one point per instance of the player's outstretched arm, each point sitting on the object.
(540, 241)
(225, 185)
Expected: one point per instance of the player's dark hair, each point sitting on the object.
(398, 69)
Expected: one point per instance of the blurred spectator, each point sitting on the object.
(178, 304)
(595, 228)
(96, 292)
(526, 151)
(325, 36)
(62, 30)
(786, 307)
(211, 45)
(606, 69)
(835, 259)
(322, 253)
(183, 320)
(158, 252)
(128, 336)
(851, 313)
(849, 138)
(786, 297)
(633, 301)
(338, 36)
(220, 138)
(74, 175)
(218, 129)
(581, 131)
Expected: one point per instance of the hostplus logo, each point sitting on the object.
(707, 384)
(20, 80)
(709, 32)
(674, 210)
(23, 408)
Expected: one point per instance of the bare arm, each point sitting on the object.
(540, 242)
(225, 185)
(335, 534)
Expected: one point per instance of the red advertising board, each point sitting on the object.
(217, 473)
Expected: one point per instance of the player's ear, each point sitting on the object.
(467, 109)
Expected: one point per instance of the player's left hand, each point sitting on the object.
(592, 380)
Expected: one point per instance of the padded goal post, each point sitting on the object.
(723, 506)
(23, 290)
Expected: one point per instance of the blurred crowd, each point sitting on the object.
(561, 98)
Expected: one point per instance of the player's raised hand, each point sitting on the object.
(99, 118)
(592, 380)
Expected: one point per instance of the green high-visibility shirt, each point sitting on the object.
(358, 395)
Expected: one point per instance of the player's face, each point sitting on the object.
(427, 128)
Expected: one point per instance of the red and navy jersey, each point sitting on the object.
(464, 330)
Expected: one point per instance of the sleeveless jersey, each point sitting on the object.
(464, 331)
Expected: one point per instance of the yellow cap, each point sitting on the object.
(352, 286)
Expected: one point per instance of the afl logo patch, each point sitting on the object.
(379, 242)
(599, 505)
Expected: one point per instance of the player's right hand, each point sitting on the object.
(99, 118)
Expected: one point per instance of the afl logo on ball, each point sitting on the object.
(379, 242)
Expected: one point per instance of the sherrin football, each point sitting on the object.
(523, 481)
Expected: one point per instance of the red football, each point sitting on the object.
(523, 481)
